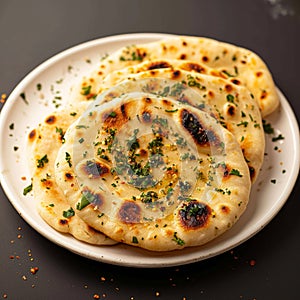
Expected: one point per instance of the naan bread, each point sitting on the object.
(241, 66)
(44, 143)
(232, 105)
(152, 172)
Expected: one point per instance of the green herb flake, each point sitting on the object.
(68, 159)
(178, 240)
(42, 161)
(268, 129)
(273, 181)
(73, 114)
(135, 240)
(81, 140)
(51, 205)
(85, 200)
(12, 126)
(39, 86)
(69, 213)
(277, 138)
(27, 189)
(23, 96)
(243, 123)
(230, 98)
(61, 133)
(235, 172)
(86, 90)
(113, 114)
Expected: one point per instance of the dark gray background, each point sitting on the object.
(32, 31)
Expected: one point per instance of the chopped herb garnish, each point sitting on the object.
(243, 123)
(277, 138)
(178, 240)
(68, 159)
(86, 90)
(268, 129)
(86, 199)
(112, 114)
(69, 213)
(12, 126)
(135, 240)
(235, 172)
(193, 83)
(81, 140)
(27, 189)
(38, 86)
(273, 181)
(61, 133)
(23, 96)
(230, 98)
(51, 205)
(73, 114)
(42, 161)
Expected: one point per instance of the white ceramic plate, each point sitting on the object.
(43, 89)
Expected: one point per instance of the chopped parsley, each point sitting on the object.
(27, 189)
(243, 123)
(113, 114)
(178, 240)
(235, 172)
(86, 199)
(23, 96)
(68, 159)
(135, 240)
(42, 161)
(268, 129)
(86, 90)
(61, 133)
(277, 138)
(69, 213)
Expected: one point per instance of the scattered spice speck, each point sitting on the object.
(34, 270)
(252, 262)
(273, 181)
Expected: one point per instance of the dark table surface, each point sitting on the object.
(265, 267)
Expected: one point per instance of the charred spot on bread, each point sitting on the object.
(194, 214)
(193, 67)
(50, 120)
(32, 135)
(130, 212)
(230, 110)
(235, 81)
(159, 65)
(68, 176)
(175, 74)
(95, 169)
(201, 136)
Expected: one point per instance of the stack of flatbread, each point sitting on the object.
(157, 148)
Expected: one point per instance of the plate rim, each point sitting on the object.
(175, 262)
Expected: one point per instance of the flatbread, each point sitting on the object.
(153, 173)
(241, 66)
(44, 143)
(232, 105)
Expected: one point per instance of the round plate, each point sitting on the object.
(43, 90)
